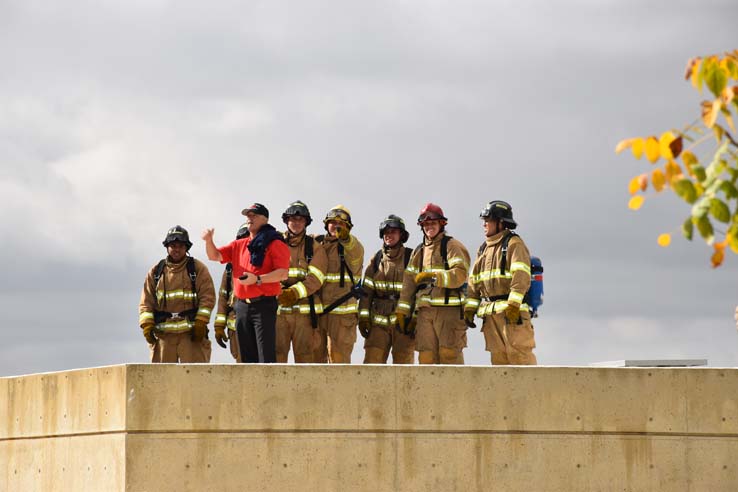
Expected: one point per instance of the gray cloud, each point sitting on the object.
(118, 120)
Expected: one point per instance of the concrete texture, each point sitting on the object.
(355, 428)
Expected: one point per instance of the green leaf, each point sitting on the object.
(688, 229)
(699, 173)
(685, 190)
(716, 79)
(729, 189)
(704, 226)
(733, 174)
(719, 210)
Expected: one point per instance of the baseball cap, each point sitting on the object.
(256, 208)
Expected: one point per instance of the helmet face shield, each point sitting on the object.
(177, 234)
(337, 215)
(431, 211)
(499, 210)
(429, 216)
(395, 222)
(298, 209)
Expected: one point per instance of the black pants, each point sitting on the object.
(256, 328)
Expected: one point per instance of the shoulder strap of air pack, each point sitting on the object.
(503, 257)
(376, 260)
(193, 278)
(308, 248)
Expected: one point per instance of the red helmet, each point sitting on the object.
(431, 211)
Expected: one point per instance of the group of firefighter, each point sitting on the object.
(408, 300)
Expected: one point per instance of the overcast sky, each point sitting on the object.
(121, 119)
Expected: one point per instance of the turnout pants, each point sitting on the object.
(296, 329)
(255, 325)
(382, 339)
(336, 338)
(510, 343)
(179, 347)
(440, 335)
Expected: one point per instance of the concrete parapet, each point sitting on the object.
(345, 428)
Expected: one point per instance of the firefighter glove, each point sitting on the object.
(425, 278)
(148, 331)
(469, 318)
(512, 313)
(220, 336)
(365, 327)
(400, 322)
(410, 328)
(342, 233)
(199, 331)
(287, 298)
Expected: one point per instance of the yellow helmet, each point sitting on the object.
(339, 213)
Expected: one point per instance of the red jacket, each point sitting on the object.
(277, 257)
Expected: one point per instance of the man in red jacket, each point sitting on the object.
(260, 262)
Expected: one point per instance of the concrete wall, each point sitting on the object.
(356, 428)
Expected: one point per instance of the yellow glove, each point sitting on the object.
(512, 313)
(365, 327)
(425, 277)
(287, 298)
(342, 233)
(199, 331)
(148, 331)
(220, 336)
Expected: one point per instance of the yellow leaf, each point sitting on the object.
(672, 169)
(664, 240)
(624, 144)
(652, 149)
(693, 69)
(658, 179)
(689, 158)
(732, 237)
(636, 202)
(710, 112)
(634, 185)
(637, 147)
(664, 145)
(727, 95)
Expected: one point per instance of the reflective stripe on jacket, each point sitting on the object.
(383, 287)
(487, 280)
(174, 294)
(225, 304)
(305, 278)
(354, 254)
(453, 278)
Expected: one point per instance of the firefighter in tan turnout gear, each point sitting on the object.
(382, 284)
(299, 306)
(225, 318)
(340, 292)
(498, 286)
(432, 288)
(176, 302)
